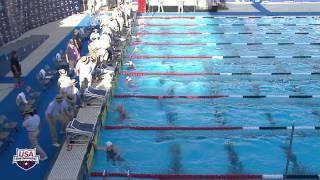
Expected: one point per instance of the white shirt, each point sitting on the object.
(64, 81)
(105, 41)
(72, 90)
(31, 123)
(55, 109)
(94, 35)
(90, 3)
(22, 97)
(100, 46)
(113, 25)
(84, 69)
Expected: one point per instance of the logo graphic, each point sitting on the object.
(26, 158)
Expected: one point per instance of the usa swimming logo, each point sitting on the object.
(26, 158)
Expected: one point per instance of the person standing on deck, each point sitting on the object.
(160, 6)
(31, 122)
(180, 6)
(16, 68)
(54, 112)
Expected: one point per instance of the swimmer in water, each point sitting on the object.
(135, 51)
(122, 113)
(130, 65)
(171, 90)
(219, 117)
(129, 82)
(112, 153)
(162, 81)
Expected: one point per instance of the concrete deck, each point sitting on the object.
(69, 163)
(292, 7)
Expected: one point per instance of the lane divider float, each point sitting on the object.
(215, 33)
(226, 24)
(220, 44)
(217, 96)
(218, 57)
(127, 73)
(217, 128)
(204, 176)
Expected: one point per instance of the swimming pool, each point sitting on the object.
(217, 96)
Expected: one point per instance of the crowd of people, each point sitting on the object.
(78, 75)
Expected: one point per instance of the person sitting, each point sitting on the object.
(122, 113)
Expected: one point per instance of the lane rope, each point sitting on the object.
(216, 33)
(226, 17)
(226, 24)
(219, 57)
(127, 73)
(217, 96)
(217, 128)
(219, 44)
(204, 176)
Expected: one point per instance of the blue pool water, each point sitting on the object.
(218, 152)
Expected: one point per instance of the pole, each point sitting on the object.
(289, 152)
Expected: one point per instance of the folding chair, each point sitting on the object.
(22, 102)
(7, 124)
(32, 93)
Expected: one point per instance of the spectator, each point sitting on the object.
(84, 70)
(91, 7)
(70, 109)
(72, 56)
(31, 122)
(16, 68)
(55, 111)
(94, 35)
(63, 81)
(72, 90)
(77, 40)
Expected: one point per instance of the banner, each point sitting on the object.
(19, 16)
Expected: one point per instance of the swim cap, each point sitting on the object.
(128, 78)
(108, 143)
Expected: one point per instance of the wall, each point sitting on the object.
(18, 16)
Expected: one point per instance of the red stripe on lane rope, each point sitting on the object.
(169, 17)
(169, 97)
(164, 33)
(172, 128)
(168, 44)
(170, 57)
(177, 176)
(168, 24)
(166, 74)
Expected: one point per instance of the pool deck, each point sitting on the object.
(57, 31)
(69, 162)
